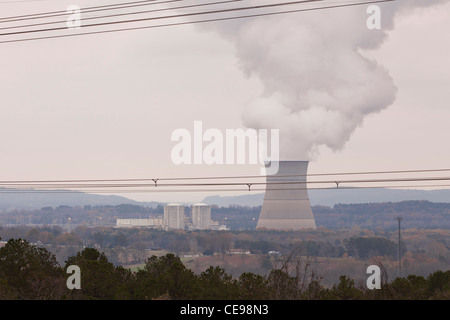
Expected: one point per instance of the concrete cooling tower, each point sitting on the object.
(286, 205)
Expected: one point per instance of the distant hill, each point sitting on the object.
(331, 197)
(89, 209)
(10, 200)
(415, 214)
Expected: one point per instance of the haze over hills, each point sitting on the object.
(331, 197)
(10, 200)
(34, 200)
(342, 209)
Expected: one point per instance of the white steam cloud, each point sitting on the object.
(318, 85)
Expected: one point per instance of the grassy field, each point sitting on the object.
(149, 253)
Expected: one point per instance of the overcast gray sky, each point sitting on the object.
(104, 106)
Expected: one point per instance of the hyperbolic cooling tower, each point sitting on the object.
(286, 205)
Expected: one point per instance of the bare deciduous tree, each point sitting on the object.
(294, 276)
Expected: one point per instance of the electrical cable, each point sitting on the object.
(181, 15)
(156, 190)
(7, 182)
(88, 9)
(179, 23)
(124, 14)
(235, 184)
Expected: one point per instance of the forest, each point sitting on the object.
(348, 238)
(334, 252)
(29, 272)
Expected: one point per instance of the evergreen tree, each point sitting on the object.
(30, 272)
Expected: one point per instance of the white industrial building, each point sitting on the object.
(174, 216)
(201, 216)
(140, 223)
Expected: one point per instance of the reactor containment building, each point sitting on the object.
(286, 203)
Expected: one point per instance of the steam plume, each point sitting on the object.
(318, 85)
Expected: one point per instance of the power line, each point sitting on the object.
(126, 14)
(130, 185)
(187, 22)
(227, 184)
(244, 189)
(3, 182)
(88, 9)
(181, 15)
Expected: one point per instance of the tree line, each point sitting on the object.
(204, 241)
(423, 214)
(29, 272)
(416, 214)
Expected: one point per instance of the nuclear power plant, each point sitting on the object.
(286, 203)
(174, 216)
(201, 216)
